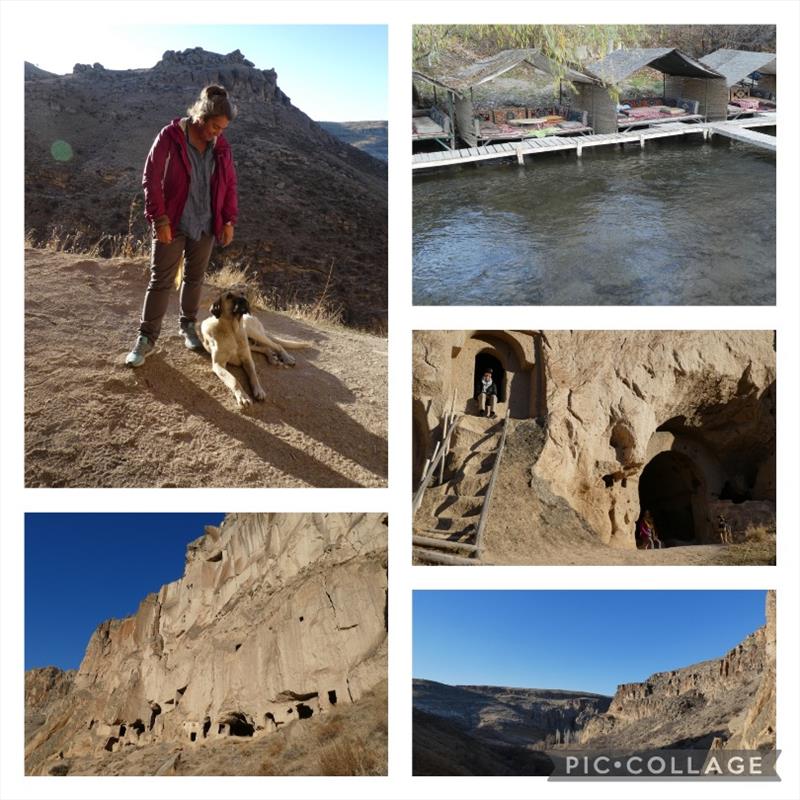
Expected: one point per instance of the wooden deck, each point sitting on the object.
(737, 129)
(742, 130)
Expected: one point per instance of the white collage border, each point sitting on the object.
(20, 21)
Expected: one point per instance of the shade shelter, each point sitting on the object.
(457, 83)
(687, 90)
(750, 80)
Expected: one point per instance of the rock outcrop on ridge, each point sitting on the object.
(723, 702)
(313, 209)
(278, 618)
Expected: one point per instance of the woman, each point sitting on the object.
(190, 199)
(487, 395)
(647, 532)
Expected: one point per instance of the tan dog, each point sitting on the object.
(232, 334)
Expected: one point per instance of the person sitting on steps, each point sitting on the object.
(487, 395)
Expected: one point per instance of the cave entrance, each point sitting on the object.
(238, 725)
(672, 489)
(304, 711)
(486, 361)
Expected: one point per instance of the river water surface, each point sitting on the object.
(683, 223)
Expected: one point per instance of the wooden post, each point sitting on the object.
(641, 140)
(452, 121)
(579, 150)
(520, 159)
(444, 451)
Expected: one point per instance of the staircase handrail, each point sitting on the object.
(490, 488)
(439, 452)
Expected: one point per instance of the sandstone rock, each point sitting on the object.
(727, 702)
(680, 421)
(756, 731)
(277, 617)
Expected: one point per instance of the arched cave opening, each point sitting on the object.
(304, 711)
(206, 726)
(122, 729)
(193, 736)
(332, 696)
(109, 745)
(671, 488)
(239, 726)
(155, 710)
(138, 726)
(483, 361)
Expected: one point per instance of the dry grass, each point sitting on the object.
(322, 313)
(85, 242)
(347, 740)
(348, 758)
(758, 533)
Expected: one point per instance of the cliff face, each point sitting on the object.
(616, 400)
(277, 618)
(519, 717)
(729, 702)
(306, 199)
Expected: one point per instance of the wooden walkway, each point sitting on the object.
(742, 131)
(737, 129)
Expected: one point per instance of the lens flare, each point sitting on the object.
(61, 150)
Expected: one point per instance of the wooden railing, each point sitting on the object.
(437, 460)
(489, 489)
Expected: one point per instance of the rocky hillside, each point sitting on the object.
(727, 701)
(442, 747)
(310, 204)
(277, 619)
(519, 717)
(372, 137)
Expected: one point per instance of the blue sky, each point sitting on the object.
(81, 569)
(331, 72)
(582, 640)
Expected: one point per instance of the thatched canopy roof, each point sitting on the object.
(619, 64)
(462, 78)
(736, 65)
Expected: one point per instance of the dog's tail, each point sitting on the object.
(291, 344)
(179, 274)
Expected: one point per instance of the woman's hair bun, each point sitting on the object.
(215, 91)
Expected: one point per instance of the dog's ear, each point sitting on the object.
(216, 309)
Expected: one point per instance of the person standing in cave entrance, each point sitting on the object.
(646, 532)
(190, 199)
(487, 395)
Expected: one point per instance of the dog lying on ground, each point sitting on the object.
(232, 334)
(724, 532)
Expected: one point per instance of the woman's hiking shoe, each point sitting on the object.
(190, 338)
(143, 348)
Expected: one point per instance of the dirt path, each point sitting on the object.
(91, 421)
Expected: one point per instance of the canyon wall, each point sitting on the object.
(277, 617)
